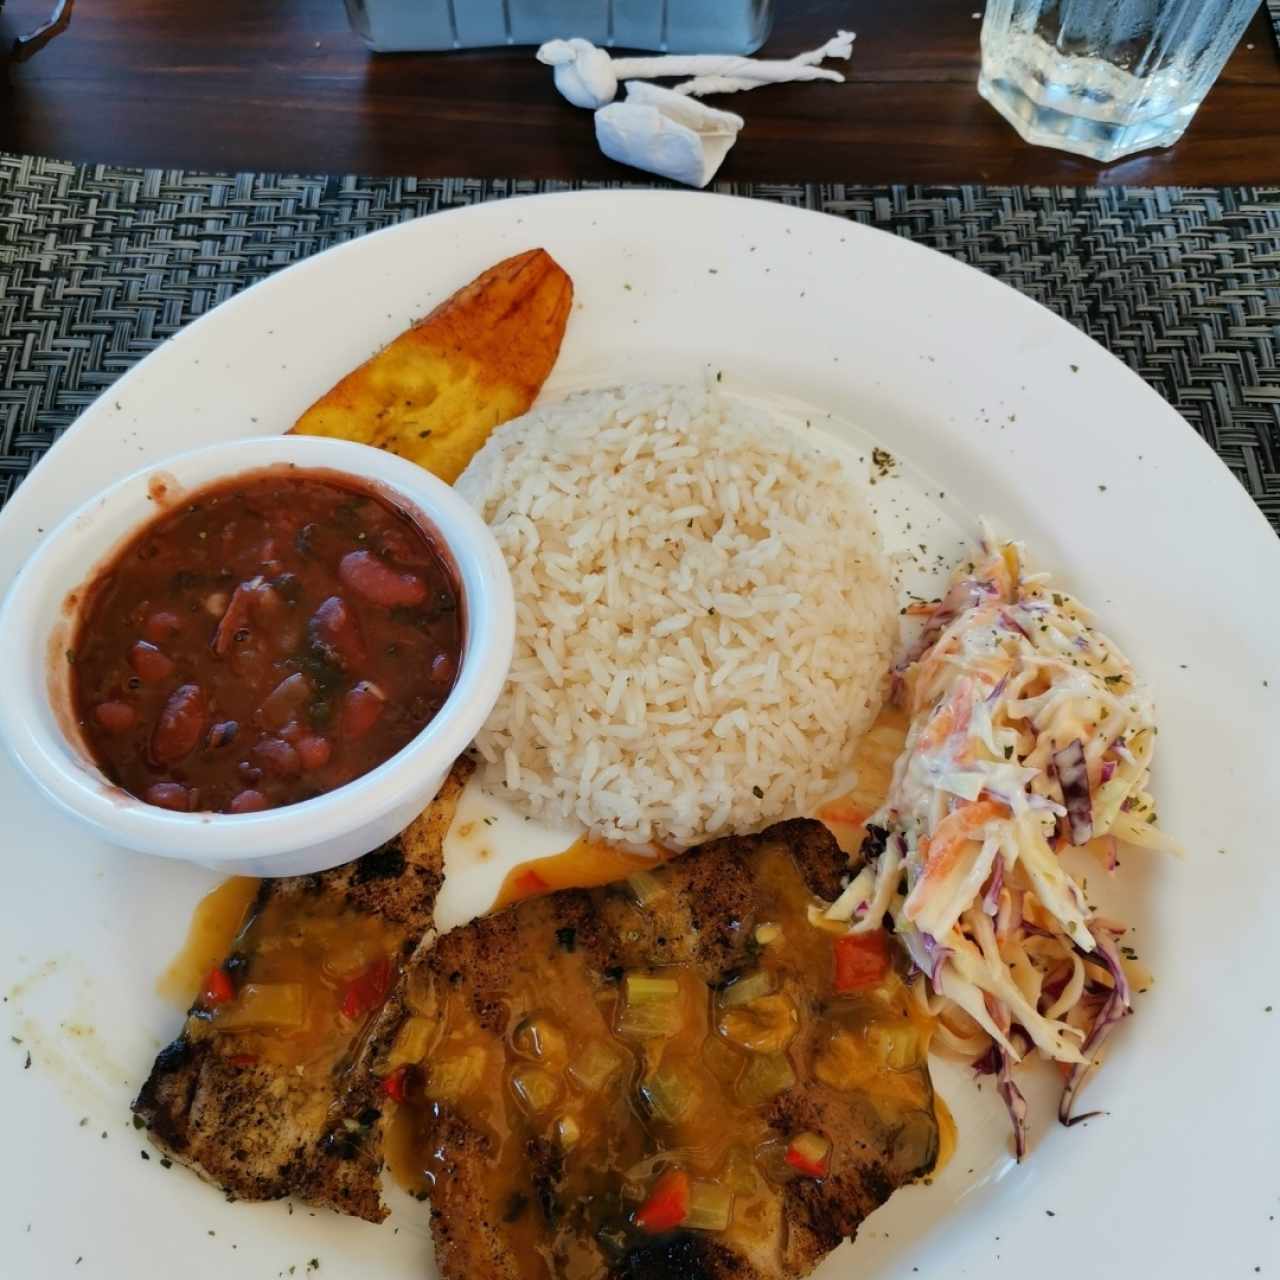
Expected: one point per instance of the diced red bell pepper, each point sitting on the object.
(810, 1154)
(528, 882)
(367, 990)
(243, 1059)
(862, 960)
(394, 1084)
(217, 988)
(668, 1203)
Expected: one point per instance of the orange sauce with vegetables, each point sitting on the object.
(307, 974)
(630, 1075)
(218, 917)
(583, 865)
(292, 980)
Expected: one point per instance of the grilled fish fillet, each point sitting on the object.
(257, 1123)
(513, 999)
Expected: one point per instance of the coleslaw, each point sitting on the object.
(1029, 733)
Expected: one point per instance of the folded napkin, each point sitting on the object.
(665, 131)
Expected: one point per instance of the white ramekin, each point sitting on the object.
(37, 621)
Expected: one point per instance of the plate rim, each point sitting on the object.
(1026, 1187)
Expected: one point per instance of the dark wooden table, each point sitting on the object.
(284, 85)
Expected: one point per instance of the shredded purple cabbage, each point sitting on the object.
(1014, 1102)
(996, 1062)
(1105, 946)
(1054, 988)
(989, 1063)
(962, 595)
(994, 696)
(1013, 624)
(1116, 1007)
(991, 899)
(938, 955)
(926, 952)
(1108, 771)
(1073, 777)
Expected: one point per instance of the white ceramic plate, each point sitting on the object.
(993, 406)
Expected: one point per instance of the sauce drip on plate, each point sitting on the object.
(218, 918)
(583, 865)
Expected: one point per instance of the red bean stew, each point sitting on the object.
(277, 636)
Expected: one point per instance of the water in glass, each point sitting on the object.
(1105, 78)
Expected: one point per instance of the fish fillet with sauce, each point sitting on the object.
(247, 1094)
(672, 1076)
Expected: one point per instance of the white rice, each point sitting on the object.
(704, 619)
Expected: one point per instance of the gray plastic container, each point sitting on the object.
(677, 26)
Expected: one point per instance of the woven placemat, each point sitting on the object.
(98, 265)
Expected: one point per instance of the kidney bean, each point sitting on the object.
(246, 630)
(162, 626)
(169, 795)
(284, 702)
(313, 751)
(277, 757)
(115, 717)
(363, 572)
(361, 709)
(335, 629)
(248, 801)
(396, 545)
(222, 734)
(150, 664)
(181, 724)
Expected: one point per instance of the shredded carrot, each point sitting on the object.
(951, 717)
(942, 850)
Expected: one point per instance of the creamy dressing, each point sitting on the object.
(1030, 733)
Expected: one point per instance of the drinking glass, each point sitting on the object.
(1105, 78)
